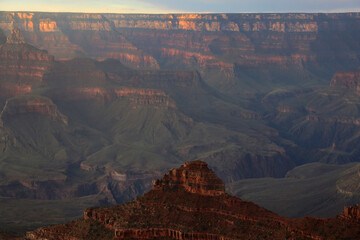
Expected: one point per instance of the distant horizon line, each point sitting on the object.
(164, 13)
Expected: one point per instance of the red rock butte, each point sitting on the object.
(194, 177)
(190, 203)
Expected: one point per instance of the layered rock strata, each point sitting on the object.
(15, 37)
(194, 177)
(132, 95)
(347, 80)
(352, 212)
(21, 65)
(206, 41)
(190, 203)
(32, 104)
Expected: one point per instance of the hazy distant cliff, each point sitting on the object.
(225, 42)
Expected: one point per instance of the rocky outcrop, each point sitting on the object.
(224, 52)
(144, 96)
(194, 177)
(180, 207)
(15, 37)
(191, 189)
(219, 22)
(21, 65)
(204, 41)
(69, 35)
(348, 80)
(133, 95)
(341, 120)
(88, 22)
(165, 233)
(201, 60)
(90, 230)
(85, 79)
(48, 25)
(352, 212)
(111, 44)
(30, 104)
(222, 40)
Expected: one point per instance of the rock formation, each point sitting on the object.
(347, 80)
(106, 95)
(32, 104)
(22, 66)
(194, 177)
(15, 37)
(352, 212)
(230, 91)
(204, 41)
(190, 203)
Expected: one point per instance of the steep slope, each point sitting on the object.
(21, 66)
(315, 189)
(38, 147)
(324, 123)
(347, 80)
(172, 114)
(252, 52)
(70, 35)
(247, 58)
(292, 49)
(190, 203)
(235, 90)
(97, 132)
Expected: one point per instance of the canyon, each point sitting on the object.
(95, 106)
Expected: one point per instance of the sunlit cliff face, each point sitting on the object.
(203, 41)
(48, 25)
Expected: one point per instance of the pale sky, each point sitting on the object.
(175, 6)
